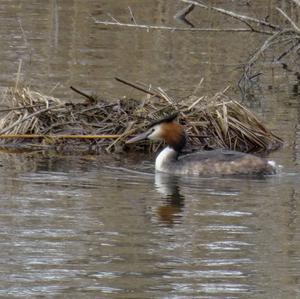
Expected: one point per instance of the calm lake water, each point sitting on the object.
(109, 227)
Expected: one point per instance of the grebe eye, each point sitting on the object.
(151, 130)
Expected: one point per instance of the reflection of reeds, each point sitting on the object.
(210, 122)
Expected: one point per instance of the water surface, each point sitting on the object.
(109, 227)
(82, 229)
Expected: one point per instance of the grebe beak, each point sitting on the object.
(139, 137)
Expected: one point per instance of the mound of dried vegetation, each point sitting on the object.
(33, 120)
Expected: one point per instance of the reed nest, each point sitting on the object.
(33, 120)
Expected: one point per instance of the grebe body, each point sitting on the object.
(202, 163)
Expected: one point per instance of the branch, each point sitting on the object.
(266, 45)
(181, 15)
(239, 17)
(154, 27)
(297, 29)
(288, 51)
(132, 15)
(156, 92)
(139, 88)
(246, 78)
(135, 86)
(90, 98)
(33, 136)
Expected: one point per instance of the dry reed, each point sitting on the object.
(96, 125)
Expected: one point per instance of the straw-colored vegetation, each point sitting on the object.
(95, 125)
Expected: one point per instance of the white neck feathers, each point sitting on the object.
(166, 156)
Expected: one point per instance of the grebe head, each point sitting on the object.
(165, 129)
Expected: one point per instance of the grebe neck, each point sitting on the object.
(165, 157)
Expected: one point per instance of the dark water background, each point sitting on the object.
(107, 227)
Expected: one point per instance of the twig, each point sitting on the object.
(139, 88)
(18, 74)
(28, 117)
(184, 12)
(198, 86)
(266, 45)
(33, 136)
(239, 17)
(181, 15)
(23, 107)
(297, 29)
(23, 33)
(127, 131)
(166, 97)
(148, 27)
(289, 50)
(55, 22)
(114, 19)
(246, 83)
(54, 87)
(195, 103)
(91, 98)
(132, 16)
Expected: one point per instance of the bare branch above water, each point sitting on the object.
(284, 39)
(168, 28)
(240, 17)
(182, 14)
(294, 25)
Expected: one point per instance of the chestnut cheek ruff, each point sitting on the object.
(174, 136)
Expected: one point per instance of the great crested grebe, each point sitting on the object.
(204, 163)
